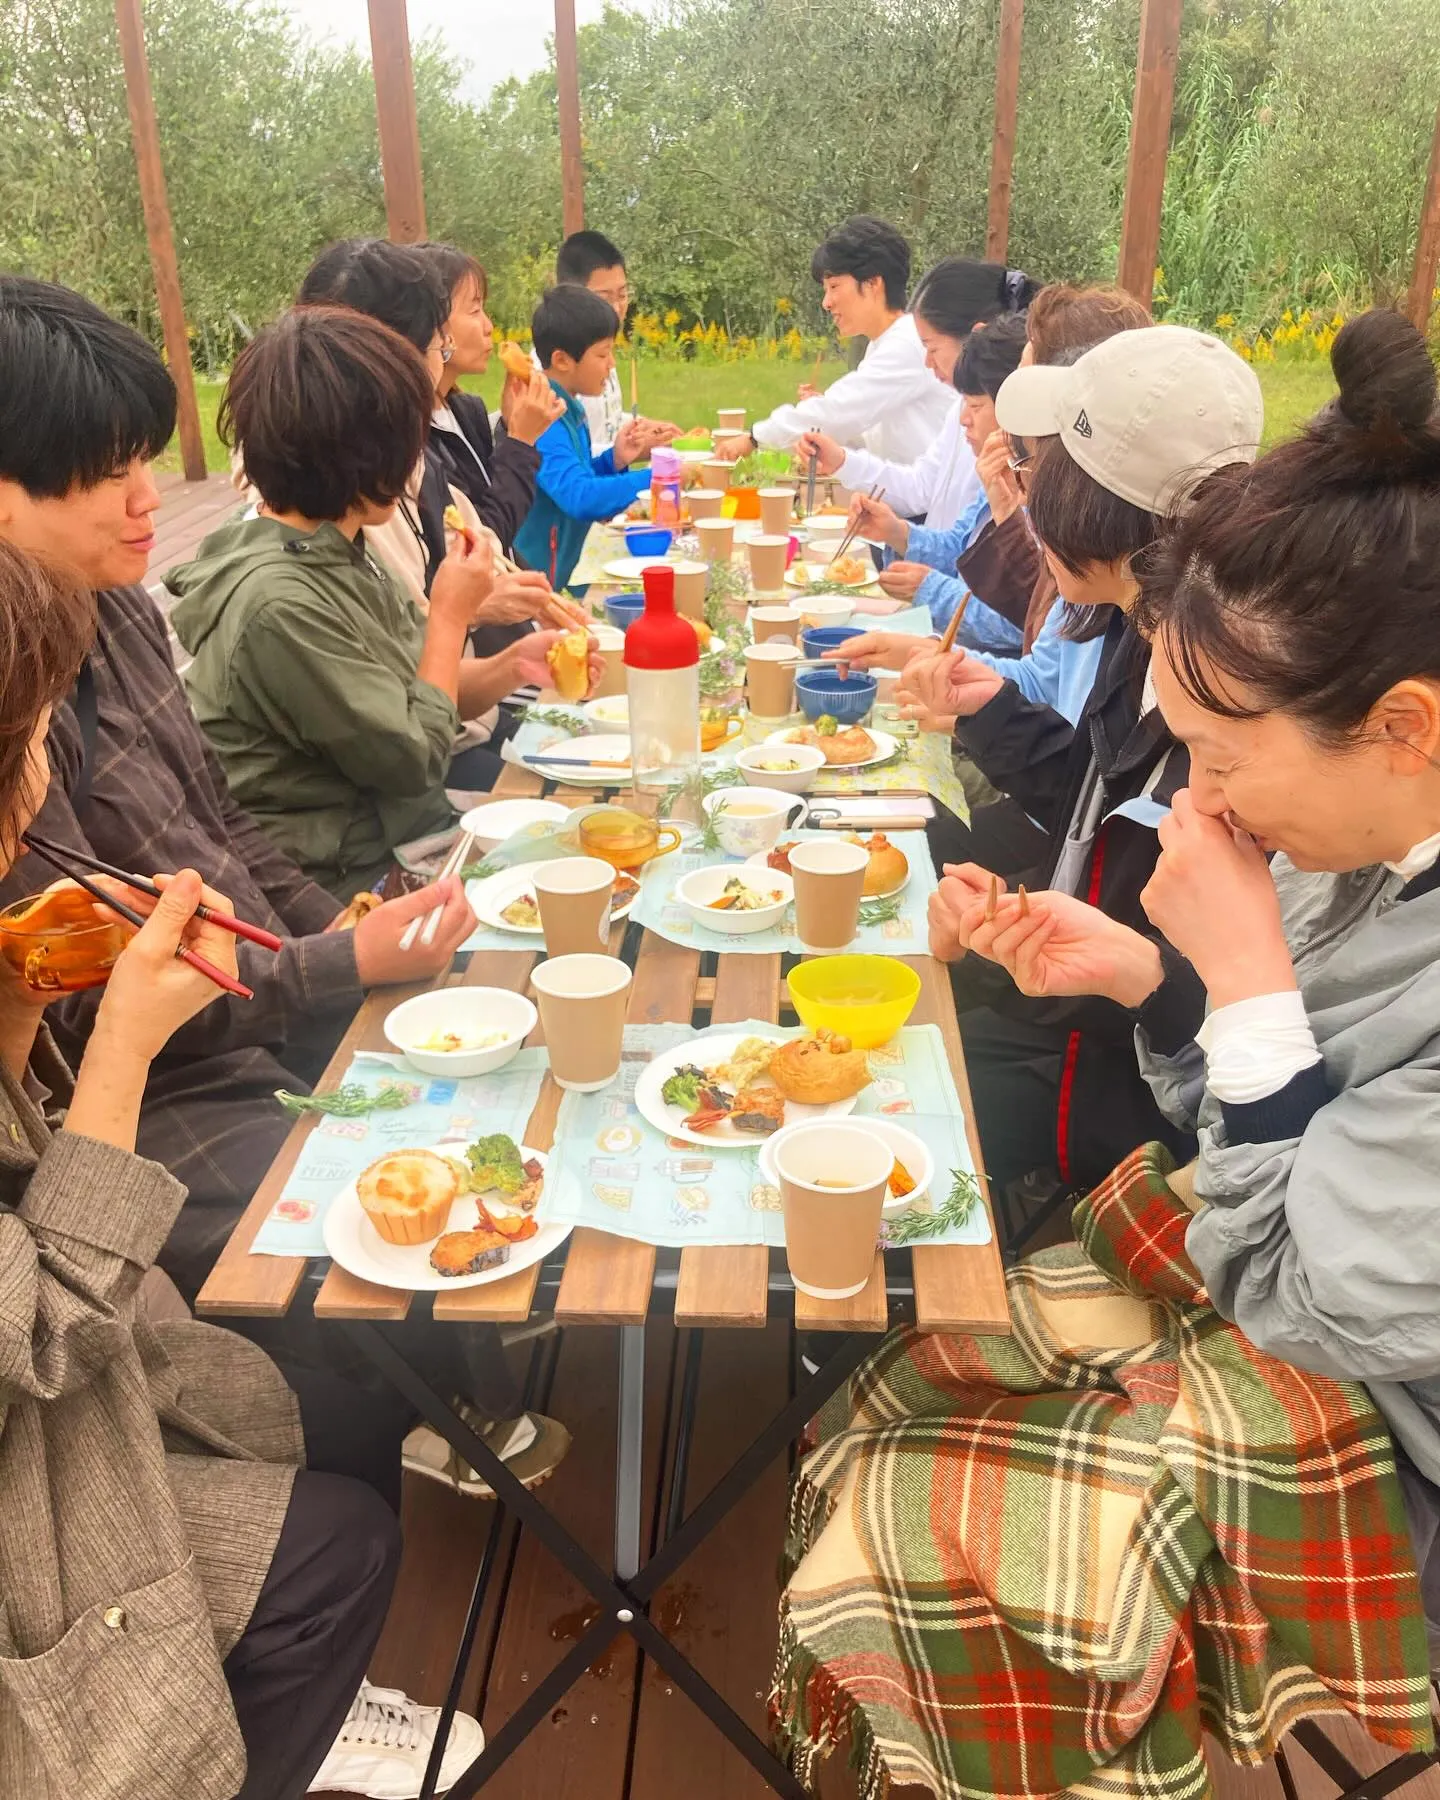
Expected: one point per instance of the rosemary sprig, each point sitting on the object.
(880, 910)
(954, 1212)
(348, 1102)
(555, 717)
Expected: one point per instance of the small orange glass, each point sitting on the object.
(56, 945)
(625, 839)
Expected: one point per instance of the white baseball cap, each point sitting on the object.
(1146, 413)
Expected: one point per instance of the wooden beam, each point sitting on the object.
(567, 90)
(1427, 242)
(399, 130)
(1149, 145)
(1002, 144)
(158, 232)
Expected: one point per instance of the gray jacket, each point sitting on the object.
(1325, 1249)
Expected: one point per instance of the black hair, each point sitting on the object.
(454, 266)
(81, 395)
(989, 356)
(959, 293)
(571, 319)
(865, 247)
(394, 283)
(328, 407)
(1311, 578)
(1079, 521)
(583, 254)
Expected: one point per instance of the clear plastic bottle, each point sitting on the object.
(665, 488)
(662, 679)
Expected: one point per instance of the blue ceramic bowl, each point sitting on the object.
(821, 691)
(622, 610)
(645, 540)
(820, 638)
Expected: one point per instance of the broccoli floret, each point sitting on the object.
(825, 726)
(683, 1088)
(495, 1165)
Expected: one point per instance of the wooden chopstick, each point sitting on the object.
(62, 858)
(425, 928)
(202, 965)
(947, 643)
(877, 492)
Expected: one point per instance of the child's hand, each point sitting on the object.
(630, 443)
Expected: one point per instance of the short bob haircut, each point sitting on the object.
(394, 283)
(1064, 318)
(586, 253)
(989, 356)
(1081, 523)
(571, 319)
(866, 247)
(328, 409)
(455, 266)
(47, 625)
(81, 395)
(959, 293)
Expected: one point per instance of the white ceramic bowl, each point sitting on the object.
(701, 886)
(613, 712)
(824, 609)
(472, 1011)
(903, 1145)
(788, 781)
(494, 823)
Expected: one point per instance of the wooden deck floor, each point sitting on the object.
(189, 511)
(622, 1733)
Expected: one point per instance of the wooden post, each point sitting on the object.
(1149, 145)
(567, 87)
(158, 232)
(1427, 242)
(1002, 145)
(399, 131)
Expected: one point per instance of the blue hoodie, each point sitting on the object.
(573, 489)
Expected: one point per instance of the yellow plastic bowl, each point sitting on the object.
(867, 998)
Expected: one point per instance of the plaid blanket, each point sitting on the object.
(1046, 1562)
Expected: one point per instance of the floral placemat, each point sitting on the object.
(612, 1170)
(432, 1109)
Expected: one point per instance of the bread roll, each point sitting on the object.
(515, 362)
(820, 1069)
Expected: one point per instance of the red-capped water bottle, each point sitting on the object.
(662, 679)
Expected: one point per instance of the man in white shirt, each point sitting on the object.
(892, 404)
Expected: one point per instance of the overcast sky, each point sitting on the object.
(496, 37)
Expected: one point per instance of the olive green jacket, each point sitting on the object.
(305, 652)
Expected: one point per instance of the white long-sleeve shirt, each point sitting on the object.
(891, 405)
(939, 487)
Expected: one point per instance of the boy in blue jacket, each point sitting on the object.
(574, 333)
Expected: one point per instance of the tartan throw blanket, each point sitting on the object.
(1042, 1563)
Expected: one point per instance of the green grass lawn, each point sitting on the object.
(691, 394)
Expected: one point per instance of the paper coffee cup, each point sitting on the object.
(716, 474)
(770, 678)
(574, 896)
(705, 503)
(777, 504)
(610, 641)
(767, 563)
(833, 1176)
(717, 539)
(690, 580)
(829, 881)
(730, 418)
(769, 622)
(582, 1001)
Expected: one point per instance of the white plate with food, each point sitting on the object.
(481, 1219)
(602, 760)
(506, 902)
(708, 1075)
(883, 745)
(846, 572)
(910, 1179)
(631, 568)
(889, 871)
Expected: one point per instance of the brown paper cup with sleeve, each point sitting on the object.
(829, 883)
(833, 1177)
(573, 893)
(582, 1001)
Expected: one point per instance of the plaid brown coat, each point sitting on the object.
(144, 1477)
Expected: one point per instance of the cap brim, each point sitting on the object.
(1031, 402)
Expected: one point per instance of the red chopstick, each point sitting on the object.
(61, 856)
(200, 963)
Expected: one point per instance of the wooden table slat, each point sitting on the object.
(869, 1310)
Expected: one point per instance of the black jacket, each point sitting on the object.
(498, 477)
(1044, 763)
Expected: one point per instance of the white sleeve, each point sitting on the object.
(884, 381)
(1253, 1047)
(910, 488)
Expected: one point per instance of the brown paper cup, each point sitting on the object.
(777, 505)
(717, 539)
(829, 881)
(582, 1001)
(730, 419)
(690, 579)
(705, 503)
(770, 679)
(574, 896)
(610, 641)
(717, 473)
(767, 563)
(767, 622)
(833, 1177)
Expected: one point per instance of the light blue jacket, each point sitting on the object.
(573, 489)
(1055, 672)
(943, 591)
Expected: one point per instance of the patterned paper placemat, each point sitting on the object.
(338, 1149)
(612, 1170)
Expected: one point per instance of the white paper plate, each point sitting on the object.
(569, 767)
(821, 572)
(819, 524)
(714, 1047)
(353, 1242)
(885, 748)
(904, 1146)
(757, 861)
(489, 898)
(631, 568)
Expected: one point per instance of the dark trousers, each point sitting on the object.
(296, 1670)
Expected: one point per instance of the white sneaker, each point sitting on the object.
(385, 1743)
